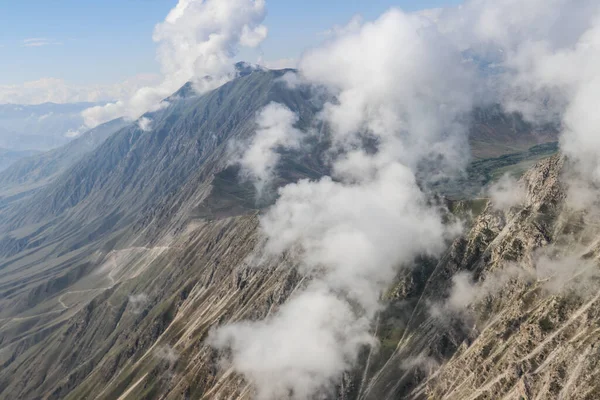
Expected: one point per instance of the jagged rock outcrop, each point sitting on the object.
(541, 339)
(532, 330)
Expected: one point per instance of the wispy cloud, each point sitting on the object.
(40, 42)
(352, 232)
(339, 30)
(59, 91)
(281, 63)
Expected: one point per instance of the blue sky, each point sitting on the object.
(107, 41)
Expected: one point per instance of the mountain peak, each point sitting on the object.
(243, 68)
(188, 90)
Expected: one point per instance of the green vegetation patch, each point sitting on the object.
(482, 172)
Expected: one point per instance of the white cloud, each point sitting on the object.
(567, 273)
(198, 38)
(404, 81)
(282, 63)
(260, 157)
(145, 124)
(548, 58)
(138, 303)
(40, 42)
(395, 81)
(507, 192)
(45, 116)
(466, 292)
(297, 358)
(292, 80)
(340, 30)
(554, 270)
(73, 133)
(166, 353)
(59, 91)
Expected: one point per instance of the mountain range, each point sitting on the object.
(121, 250)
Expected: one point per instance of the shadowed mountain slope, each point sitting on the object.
(133, 169)
(40, 169)
(9, 157)
(133, 190)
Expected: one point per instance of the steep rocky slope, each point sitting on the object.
(530, 332)
(537, 336)
(135, 188)
(134, 170)
(30, 173)
(526, 326)
(143, 334)
(130, 204)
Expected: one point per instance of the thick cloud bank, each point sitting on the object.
(404, 85)
(52, 90)
(198, 39)
(260, 157)
(401, 88)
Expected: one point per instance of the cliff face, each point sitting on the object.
(537, 333)
(524, 322)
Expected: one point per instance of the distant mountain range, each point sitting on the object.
(9, 157)
(40, 127)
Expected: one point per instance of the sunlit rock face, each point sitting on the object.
(523, 322)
